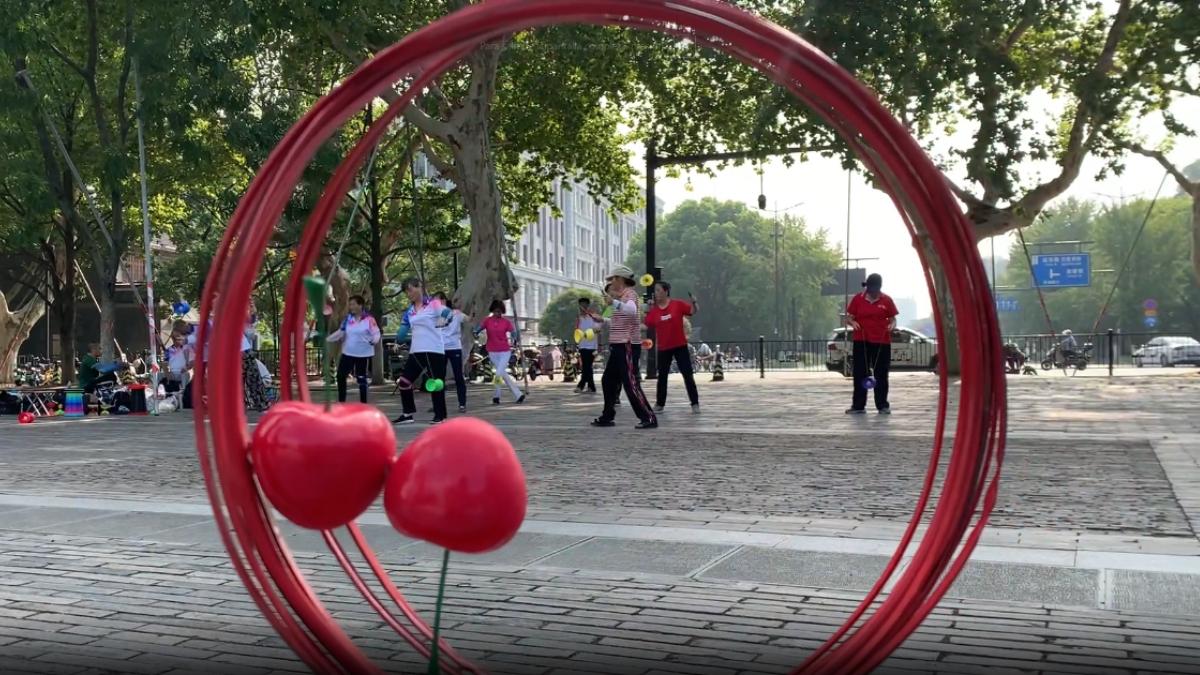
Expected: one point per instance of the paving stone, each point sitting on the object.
(1027, 583)
(524, 549)
(1158, 592)
(132, 525)
(800, 568)
(33, 519)
(631, 556)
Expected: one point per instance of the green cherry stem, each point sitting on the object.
(434, 668)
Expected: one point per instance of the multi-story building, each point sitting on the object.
(573, 250)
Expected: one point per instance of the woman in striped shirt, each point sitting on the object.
(624, 350)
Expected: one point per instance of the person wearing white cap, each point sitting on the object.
(624, 350)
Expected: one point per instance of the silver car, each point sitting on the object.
(910, 351)
(1168, 352)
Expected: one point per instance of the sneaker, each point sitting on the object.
(601, 422)
(462, 408)
(496, 401)
(885, 411)
(855, 411)
(437, 420)
(591, 390)
(403, 419)
(659, 408)
(646, 425)
(695, 408)
(522, 399)
(578, 390)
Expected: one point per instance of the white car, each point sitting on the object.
(1168, 352)
(910, 351)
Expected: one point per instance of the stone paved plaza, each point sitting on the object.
(733, 541)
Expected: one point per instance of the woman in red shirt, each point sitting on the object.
(872, 315)
(666, 318)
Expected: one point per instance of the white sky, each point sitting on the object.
(876, 229)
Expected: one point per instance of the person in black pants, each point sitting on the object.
(588, 320)
(421, 325)
(624, 350)
(872, 315)
(358, 334)
(875, 360)
(665, 318)
(452, 340)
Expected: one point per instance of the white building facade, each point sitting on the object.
(574, 250)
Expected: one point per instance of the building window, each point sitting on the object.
(562, 263)
(539, 258)
(525, 254)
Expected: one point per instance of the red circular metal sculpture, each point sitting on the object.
(899, 165)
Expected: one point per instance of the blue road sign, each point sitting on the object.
(1062, 270)
(1150, 321)
(1006, 304)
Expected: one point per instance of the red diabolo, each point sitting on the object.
(458, 485)
(320, 469)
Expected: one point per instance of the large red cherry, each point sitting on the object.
(321, 469)
(458, 485)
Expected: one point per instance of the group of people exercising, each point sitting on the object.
(433, 328)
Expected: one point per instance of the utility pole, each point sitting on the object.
(778, 290)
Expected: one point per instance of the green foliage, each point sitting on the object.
(1159, 269)
(723, 253)
(558, 319)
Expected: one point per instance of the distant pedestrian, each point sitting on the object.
(624, 350)
(421, 323)
(872, 316)
(499, 348)
(358, 334)
(665, 318)
(452, 341)
(589, 324)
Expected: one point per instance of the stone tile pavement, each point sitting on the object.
(729, 542)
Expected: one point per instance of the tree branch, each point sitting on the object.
(123, 80)
(1033, 201)
(445, 168)
(1192, 187)
(412, 114)
(62, 56)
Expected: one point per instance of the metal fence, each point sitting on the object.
(764, 355)
(312, 361)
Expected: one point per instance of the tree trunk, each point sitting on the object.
(64, 304)
(108, 320)
(14, 331)
(488, 276)
(1195, 193)
(947, 339)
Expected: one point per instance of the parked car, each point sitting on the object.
(1168, 351)
(910, 351)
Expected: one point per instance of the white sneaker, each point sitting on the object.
(696, 408)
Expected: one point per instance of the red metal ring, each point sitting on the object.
(916, 186)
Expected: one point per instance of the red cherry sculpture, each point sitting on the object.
(458, 485)
(321, 469)
(25, 418)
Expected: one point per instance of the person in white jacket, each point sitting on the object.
(422, 325)
(358, 334)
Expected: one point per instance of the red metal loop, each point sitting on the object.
(916, 186)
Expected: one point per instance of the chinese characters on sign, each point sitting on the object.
(1061, 270)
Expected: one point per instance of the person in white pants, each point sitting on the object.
(499, 349)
